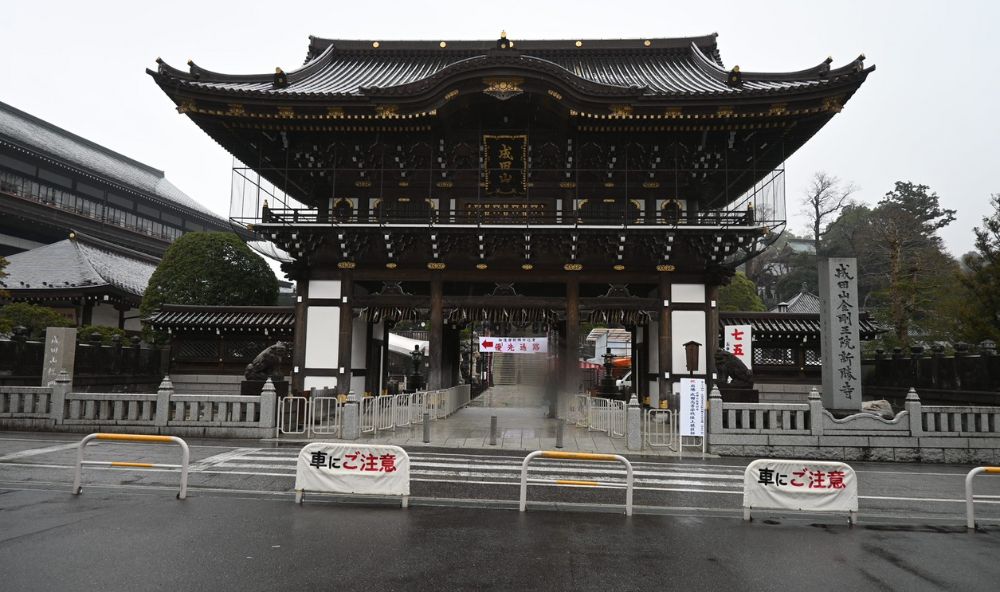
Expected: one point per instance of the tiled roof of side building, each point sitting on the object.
(36, 135)
(79, 262)
(210, 318)
(689, 66)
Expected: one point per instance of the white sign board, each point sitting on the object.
(808, 485)
(693, 393)
(514, 345)
(353, 468)
(738, 343)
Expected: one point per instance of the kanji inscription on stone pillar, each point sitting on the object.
(841, 346)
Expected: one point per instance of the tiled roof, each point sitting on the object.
(79, 262)
(210, 318)
(776, 325)
(643, 67)
(803, 302)
(38, 136)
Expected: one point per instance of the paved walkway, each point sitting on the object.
(522, 426)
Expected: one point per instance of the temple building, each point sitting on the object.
(525, 188)
(53, 182)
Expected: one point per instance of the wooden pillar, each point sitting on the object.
(299, 345)
(346, 348)
(571, 341)
(434, 367)
(664, 368)
(711, 333)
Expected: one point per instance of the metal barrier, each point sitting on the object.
(385, 413)
(557, 454)
(582, 410)
(401, 413)
(185, 457)
(368, 415)
(432, 404)
(417, 408)
(599, 417)
(970, 517)
(661, 429)
(326, 417)
(293, 416)
(616, 419)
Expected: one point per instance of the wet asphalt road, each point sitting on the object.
(240, 530)
(146, 540)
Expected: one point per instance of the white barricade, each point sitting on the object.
(800, 485)
(326, 416)
(368, 415)
(357, 469)
(616, 419)
(417, 407)
(599, 415)
(582, 410)
(432, 399)
(385, 413)
(293, 416)
(401, 410)
(661, 429)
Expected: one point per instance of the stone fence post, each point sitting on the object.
(913, 409)
(350, 429)
(61, 387)
(715, 411)
(815, 412)
(633, 424)
(268, 404)
(163, 395)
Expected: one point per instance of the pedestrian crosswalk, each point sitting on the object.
(500, 470)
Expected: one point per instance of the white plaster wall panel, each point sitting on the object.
(687, 325)
(324, 288)
(687, 293)
(322, 336)
(358, 385)
(359, 338)
(133, 324)
(104, 314)
(318, 382)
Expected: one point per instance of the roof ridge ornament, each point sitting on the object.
(735, 77)
(503, 42)
(280, 78)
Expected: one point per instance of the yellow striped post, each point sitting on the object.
(134, 438)
(577, 455)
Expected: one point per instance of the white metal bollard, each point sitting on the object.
(970, 516)
(559, 454)
(185, 457)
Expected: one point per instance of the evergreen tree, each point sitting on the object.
(981, 314)
(740, 295)
(210, 268)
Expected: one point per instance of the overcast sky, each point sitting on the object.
(928, 114)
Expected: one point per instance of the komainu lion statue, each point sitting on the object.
(729, 366)
(267, 364)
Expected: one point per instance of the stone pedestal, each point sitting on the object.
(254, 387)
(735, 394)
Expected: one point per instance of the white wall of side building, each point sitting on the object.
(322, 337)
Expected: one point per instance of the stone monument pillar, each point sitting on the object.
(839, 327)
(60, 353)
